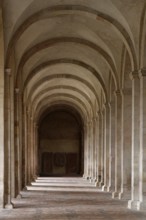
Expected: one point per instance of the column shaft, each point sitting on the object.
(135, 185)
(118, 145)
(106, 146)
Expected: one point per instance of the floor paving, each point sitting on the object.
(67, 199)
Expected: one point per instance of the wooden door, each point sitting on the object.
(47, 163)
(72, 163)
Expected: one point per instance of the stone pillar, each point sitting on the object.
(118, 145)
(101, 134)
(96, 136)
(94, 149)
(106, 146)
(111, 183)
(35, 151)
(8, 189)
(99, 147)
(85, 151)
(18, 167)
(25, 147)
(1, 115)
(88, 150)
(135, 201)
(98, 133)
(31, 146)
(28, 153)
(127, 133)
(91, 149)
(142, 167)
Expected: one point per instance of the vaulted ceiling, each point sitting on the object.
(68, 52)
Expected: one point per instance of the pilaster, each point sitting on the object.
(18, 159)
(106, 146)
(8, 189)
(135, 201)
(111, 168)
(101, 140)
(118, 145)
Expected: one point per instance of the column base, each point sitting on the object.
(104, 188)
(87, 177)
(84, 176)
(96, 183)
(92, 180)
(117, 195)
(135, 205)
(100, 184)
(109, 188)
(34, 178)
(25, 188)
(9, 206)
(19, 196)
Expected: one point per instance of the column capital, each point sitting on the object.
(8, 71)
(142, 72)
(118, 92)
(112, 103)
(17, 90)
(95, 118)
(90, 122)
(127, 91)
(134, 74)
(99, 113)
(107, 104)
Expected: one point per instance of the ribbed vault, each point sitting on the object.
(77, 54)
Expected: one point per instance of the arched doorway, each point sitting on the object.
(60, 150)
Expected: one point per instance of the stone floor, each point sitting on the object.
(66, 199)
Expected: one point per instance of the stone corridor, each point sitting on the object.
(66, 199)
(73, 104)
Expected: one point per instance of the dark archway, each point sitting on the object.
(60, 150)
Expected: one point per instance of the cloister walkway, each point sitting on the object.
(68, 198)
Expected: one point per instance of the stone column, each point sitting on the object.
(85, 175)
(18, 170)
(8, 189)
(25, 147)
(99, 124)
(31, 150)
(98, 142)
(36, 150)
(28, 153)
(101, 167)
(142, 167)
(118, 145)
(91, 148)
(106, 146)
(111, 184)
(96, 136)
(87, 151)
(135, 201)
(1, 117)
(127, 133)
(94, 147)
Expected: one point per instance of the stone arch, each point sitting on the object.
(70, 149)
(142, 39)
(37, 48)
(70, 61)
(122, 28)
